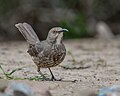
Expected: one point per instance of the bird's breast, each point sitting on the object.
(50, 57)
(58, 53)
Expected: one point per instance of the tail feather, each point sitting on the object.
(28, 33)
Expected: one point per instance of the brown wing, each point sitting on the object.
(32, 50)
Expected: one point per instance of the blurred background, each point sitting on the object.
(83, 18)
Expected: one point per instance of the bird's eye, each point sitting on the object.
(54, 31)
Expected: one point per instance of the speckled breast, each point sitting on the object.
(53, 58)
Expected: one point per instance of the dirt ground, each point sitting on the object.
(93, 63)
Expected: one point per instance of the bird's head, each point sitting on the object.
(56, 33)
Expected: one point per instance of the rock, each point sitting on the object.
(3, 85)
(104, 31)
(112, 91)
(87, 92)
(21, 89)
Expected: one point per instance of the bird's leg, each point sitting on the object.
(53, 77)
(42, 74)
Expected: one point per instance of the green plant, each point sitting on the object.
(77, 28)
(9, 75)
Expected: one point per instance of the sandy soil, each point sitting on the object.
(93, 63)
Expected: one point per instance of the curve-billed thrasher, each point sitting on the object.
(47, 53)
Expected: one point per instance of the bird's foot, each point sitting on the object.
(51, 79)
(54, 79)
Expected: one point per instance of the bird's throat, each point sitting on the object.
(59, 38)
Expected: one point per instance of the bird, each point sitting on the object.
(46, 53)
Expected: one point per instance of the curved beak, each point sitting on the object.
(63, 30)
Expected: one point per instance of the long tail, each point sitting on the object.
(28, 33)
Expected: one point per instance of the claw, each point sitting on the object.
(54, 79)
